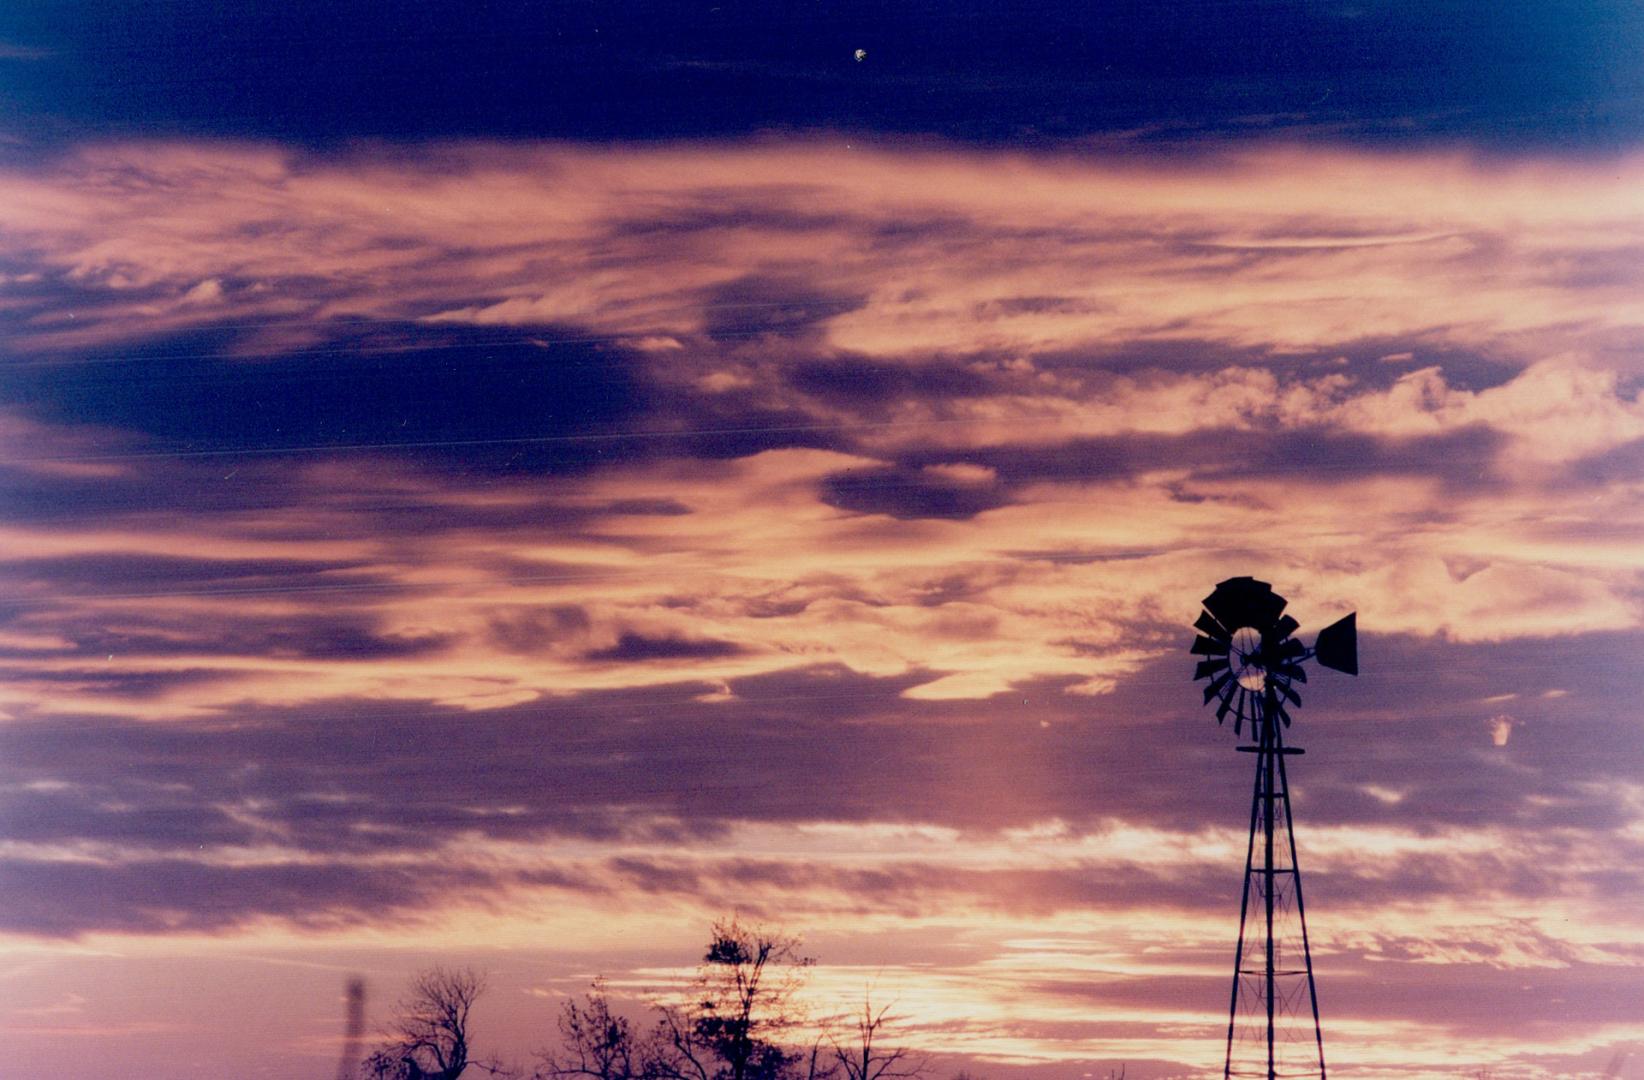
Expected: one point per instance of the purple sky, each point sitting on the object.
(516, 533)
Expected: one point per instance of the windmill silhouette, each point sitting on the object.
(1252, 663)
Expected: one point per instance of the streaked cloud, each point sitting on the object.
(473, 542)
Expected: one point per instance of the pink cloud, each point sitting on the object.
(924, 459)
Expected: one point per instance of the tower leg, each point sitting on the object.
(1244, 912)
(1268, 754)
(1301, 914)
(1256, 1045)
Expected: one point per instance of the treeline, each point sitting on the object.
(741, 1021)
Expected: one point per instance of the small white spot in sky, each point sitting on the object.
(861, 55)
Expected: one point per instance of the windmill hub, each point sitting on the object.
(1246, 656)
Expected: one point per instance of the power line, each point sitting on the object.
(610, 436)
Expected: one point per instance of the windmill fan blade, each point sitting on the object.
(1268, 604)
(1283, 688)
(1204, 646)
(1238, 602)
(1208, 667)
(1338, 645)
(1230, 602)
(1284, 628)
(1291, 647)
(1244, 601)
(1222, 710)
(1282, 715)
(1293, 672)
(1215, 687)
(1210, 627)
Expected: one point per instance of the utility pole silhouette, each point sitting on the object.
(353, 1030)
(1252, 662)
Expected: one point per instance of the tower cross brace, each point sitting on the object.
(1260, 998)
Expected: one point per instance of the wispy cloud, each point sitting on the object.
(409, 538)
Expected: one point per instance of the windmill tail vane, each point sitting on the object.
(1251, 665)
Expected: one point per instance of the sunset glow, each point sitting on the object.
(516, 538)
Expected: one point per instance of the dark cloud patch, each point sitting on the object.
(1537, 873)
(63, 899)
(1601, 268)
(766, 207)
(1036, 305)
(358, 643)
(647, 507)
(341, 637)
(634, 647)
(753, 306)
(1416, 726)
(1082, 556)
(1148, 357)
(44, 296)
(139, 685)
(1610, 467)
(428, 494)
(1464, 458)
(653, 877)
(1376, 363)
(661, 764)
(1141, 991)
(144, 486)
(536, 629)
(144, 815)
(739, 424)
(588, 761)
(913, 887)
(114, 572)
(1479, 998)
(600, 764)
(864, 384)
(490, 397)
(905, 493)
(1373, 363)
(1469, 999)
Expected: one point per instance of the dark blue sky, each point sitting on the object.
(1499, 75)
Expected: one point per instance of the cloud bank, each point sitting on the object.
(397, 537)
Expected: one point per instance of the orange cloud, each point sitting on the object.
(917, 462)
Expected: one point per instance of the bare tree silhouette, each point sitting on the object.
(867, 1058)
(595, 1044)
(429, 1039)
(742, 1004)
(731, 1027)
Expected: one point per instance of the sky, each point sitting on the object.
(507, 484)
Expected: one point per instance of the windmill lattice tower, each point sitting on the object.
(1251, 663)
